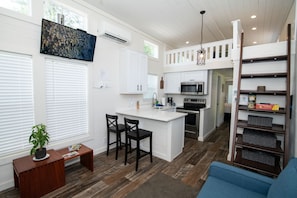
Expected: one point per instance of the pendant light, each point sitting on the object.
(201, 53)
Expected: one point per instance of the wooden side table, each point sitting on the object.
(85, 154)
(37, 178)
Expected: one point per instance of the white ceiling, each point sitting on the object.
(176, 21)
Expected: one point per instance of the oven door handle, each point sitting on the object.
(187, 111)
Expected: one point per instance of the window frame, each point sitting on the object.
(69, 9)
(148, 93)
(29, 7)
(154, 47)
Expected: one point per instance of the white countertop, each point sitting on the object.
(153, 114)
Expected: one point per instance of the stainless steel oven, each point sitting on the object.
(192, 107)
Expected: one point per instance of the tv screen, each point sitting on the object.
(63, 41)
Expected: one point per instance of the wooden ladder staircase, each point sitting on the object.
(255, 126)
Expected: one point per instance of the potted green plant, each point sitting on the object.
(39, 138)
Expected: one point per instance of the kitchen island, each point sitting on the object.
(167, 127)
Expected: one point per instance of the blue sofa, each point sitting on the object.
(229, 181)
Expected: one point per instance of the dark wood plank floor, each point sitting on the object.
(111, 178)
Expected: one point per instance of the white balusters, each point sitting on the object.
(215, 51)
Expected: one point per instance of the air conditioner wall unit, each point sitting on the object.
(114, 33)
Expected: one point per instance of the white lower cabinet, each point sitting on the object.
(133, 72)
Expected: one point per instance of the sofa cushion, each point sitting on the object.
(285, 185)
(214, 188)
(243, 178)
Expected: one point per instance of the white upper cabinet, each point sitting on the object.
(172, 83)
(174, 79)
(133, 72)
(199, 76)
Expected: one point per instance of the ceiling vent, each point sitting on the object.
(111, 32)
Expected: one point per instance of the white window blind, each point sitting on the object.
(66, 99)
(16, 102)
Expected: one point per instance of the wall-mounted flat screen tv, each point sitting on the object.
(63, 41)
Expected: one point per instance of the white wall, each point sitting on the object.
(290, 20)
(208, 115)
(219, 100)
(22, 34)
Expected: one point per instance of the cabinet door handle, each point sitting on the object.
(140, 87)
(137, 87)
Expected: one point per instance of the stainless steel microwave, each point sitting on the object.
(192, 88)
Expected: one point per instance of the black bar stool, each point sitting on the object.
(114, 127)
(136, 134)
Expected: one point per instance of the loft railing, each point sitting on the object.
(215, 51)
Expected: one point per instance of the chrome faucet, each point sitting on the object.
(154, 99)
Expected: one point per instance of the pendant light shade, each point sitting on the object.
(201, 53)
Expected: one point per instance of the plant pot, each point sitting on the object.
(40, 153)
